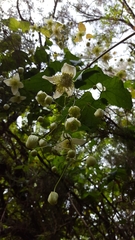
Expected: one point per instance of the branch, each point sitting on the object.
(108, 50)
(110, 19)
(79, 214)
(17, 6)
(127, 8)
(54, 9)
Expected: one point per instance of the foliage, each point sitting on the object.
(46, 139)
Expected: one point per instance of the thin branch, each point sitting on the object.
(110, 19)
(108, 50)
(79, 214)
(54, 9)
(127, 8)
(17, 6)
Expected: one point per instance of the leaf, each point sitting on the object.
(36, 83)
(69, 56)
(45, 32)
(24, 26)
(81, 27)
(13, 24)
(133, 93)
(41, 55)
(88, 105)
(114, 92)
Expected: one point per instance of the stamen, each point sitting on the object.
(66, 80)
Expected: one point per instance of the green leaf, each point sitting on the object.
(37, 83)
(24, 26)
(13, 24)
(45, 32)
(88, 106)
(69, 56)
(114, 92)
(41, 55)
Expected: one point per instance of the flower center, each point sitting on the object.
(14, 83)
(66, 80)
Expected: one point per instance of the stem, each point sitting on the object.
(109, 49)
(64, 170)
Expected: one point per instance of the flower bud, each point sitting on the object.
(72, 124)
(42, 143)
(53, 198)
(40, 119)
(48, 100)
(32, 142)
(41, 98)
(20, 69)
(54, 169)
(53, 126)
(74, 111)
(71, 154)
(1, 90)
(99, 113)
(91, 161)
(6, 107)
(33, 153)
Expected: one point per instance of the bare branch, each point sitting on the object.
(54, 9)
(127, 8)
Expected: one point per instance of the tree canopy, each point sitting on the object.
(67, 128)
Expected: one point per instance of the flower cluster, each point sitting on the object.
(54, 27)
(68, 143)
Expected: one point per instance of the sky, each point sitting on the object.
(47, 6)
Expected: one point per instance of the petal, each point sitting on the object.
(69, 69)
(57, 93)
(70, 90)
(12, 99)
(14, 90)
(8, 82)
(17, 77)
(54, 79)
(20, 85)
(22, 97)
(78, 141)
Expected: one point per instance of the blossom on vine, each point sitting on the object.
(68, 143)
(17, 98)
(14, 83)
(63, 81)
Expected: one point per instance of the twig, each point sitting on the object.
(128, 9)
(55, 6)
(92, 237)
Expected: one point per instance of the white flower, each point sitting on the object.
(49, 22)
(14, 83)
(63, 81)
(79, 36)
(17, 98)
(68, 143)
(56, 30)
